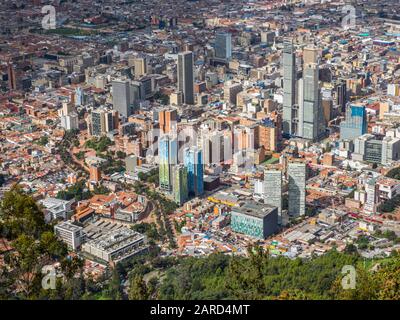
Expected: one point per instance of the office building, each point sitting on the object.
(95, 174)
(255, 220)
(289, 89)
(185, 76)
(180, 184)
(341, 95)
(167, 119)
(140, 65)
(168, 157)
(125, 97)
(102, 121)
(70, 122)
(297, 175)
(375, 149)
(355, 123)
(231, 91)
(193, 161)
(312, 119)
(272, 190)
(223, 46)
(69, 233)
(130, 164)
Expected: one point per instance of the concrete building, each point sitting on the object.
(223, 46)
(297, 174)
(373, 149)
(116, 245)
(69, 233)
(125, 96)
(289, 89)
(185, 76)
(272, 189)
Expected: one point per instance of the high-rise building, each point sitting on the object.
(70, 122)
(185, 76)
(167, 119)
(272, 189)
(140, 65)
(125, 97)
(180, 184)
(289, 88)
(193, 161)
(297, 174)
(168, 157)
(223, 46)
(102, 121)
(231, 91)
(355, 123)
(130, 164)
(341, 95)
(95, 174)
(312, 119)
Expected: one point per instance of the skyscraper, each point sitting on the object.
(180, 184)
(102, 121)
(193, 161)
(185, 76)
(289, 88)
(355, 123)
(168, 156)
(125, 97)
(297, 173)
(273, 189)
(341, 95)
(312, 119)
(223, 46)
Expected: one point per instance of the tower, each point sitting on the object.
(289, 88)
(185, 76)
(297, 172)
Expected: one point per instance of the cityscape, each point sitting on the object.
(199, 150)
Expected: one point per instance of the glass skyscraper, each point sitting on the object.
(193, 161)
(223, 46)
(168, 156)
(355, 124)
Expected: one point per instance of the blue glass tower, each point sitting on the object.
(355, 124)
(193, 161)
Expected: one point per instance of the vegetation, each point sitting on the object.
(261, 277)
(391, 204)
(2, 180)
(34, 246)
(151, 177)
(99, 144)
(149, 229)
(77, 191)
(394, 173)
(43, 141)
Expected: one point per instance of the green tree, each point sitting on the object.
(138, 288)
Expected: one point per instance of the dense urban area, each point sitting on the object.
(209, 149)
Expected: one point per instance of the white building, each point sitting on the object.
(69, 233)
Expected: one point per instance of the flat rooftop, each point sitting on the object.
(255, 209)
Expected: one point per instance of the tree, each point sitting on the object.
(20, 215)
(138, 288)
(2, 180)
